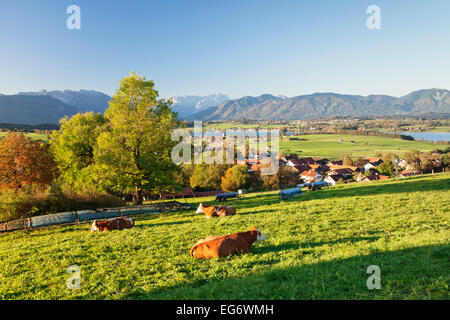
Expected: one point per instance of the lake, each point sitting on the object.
(429, 136)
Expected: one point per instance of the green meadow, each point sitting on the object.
(318, 246)
(31, 135)
(335, 146)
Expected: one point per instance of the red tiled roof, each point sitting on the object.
(343, 171)
(335, 167)
(302, 167)
(307, 160)
(308, 173)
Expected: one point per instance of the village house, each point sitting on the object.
(310, 176)
(322, 169)
(335, 166)
(321, 161)
(334, 179)
(374, 160)
(368, 166)
(408, 173)
(372, 163)
(300, 168)
(346, 172)
(292, 162)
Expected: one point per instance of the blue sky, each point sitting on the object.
(237, 47)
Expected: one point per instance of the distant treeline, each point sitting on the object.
(28, 128)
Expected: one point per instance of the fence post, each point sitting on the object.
(77, 218)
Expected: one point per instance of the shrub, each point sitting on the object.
(235, 178)
(33, 201)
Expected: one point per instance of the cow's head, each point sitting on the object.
(94, 226)
(259, 235)
(99, 226)
(200, 209)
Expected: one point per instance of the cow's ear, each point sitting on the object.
(254, 229)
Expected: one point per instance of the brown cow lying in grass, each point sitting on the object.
(223, 246)
(214, 211)
(112, 224)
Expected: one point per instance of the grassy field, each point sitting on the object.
(318, 247)
(323, 145)
(33, 136)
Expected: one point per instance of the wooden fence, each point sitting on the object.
(89, 215)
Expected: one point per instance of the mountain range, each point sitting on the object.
(189, 105)
(50, 106)
(318, 105)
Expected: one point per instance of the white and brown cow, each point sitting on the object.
(215, 211)
(112, 224)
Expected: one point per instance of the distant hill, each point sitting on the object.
(31, 109)
(83, 100)
(188, 105)
(269, 107)
(49, 106)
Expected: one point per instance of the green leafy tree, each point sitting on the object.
(228, 185)
(426, 165)
(283, 179)
(386, 168)
(134, 154)
(389, 157)
(236, 178)
(347, 161)
(73, 147)
(208, 177)
(445, 161)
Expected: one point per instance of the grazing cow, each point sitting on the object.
(214, 211)
(223, 246)
(112, 224)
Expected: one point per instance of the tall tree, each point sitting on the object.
(236, 178)
(228, 185)
(73, 146)
(135, 153)
(347, 161)
(208, 177)
(25, 162)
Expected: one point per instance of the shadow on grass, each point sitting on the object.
(150, 224)
(419, 273)
(297, 245)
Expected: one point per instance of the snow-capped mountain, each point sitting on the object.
(188, 105)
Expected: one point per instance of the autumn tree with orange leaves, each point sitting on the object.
(25, 162)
